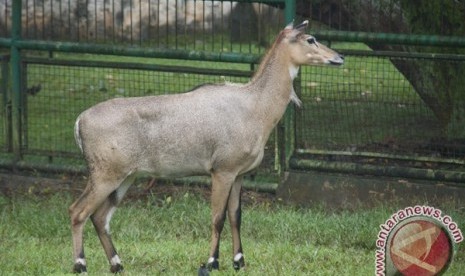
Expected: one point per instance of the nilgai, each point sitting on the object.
(218, 130)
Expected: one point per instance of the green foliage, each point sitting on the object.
(444, 94)
(435, 17)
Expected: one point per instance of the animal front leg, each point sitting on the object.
(218, 219)
(221, 189)
(234, 215)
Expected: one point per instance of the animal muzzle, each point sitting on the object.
(337, 60)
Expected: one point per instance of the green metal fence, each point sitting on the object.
(5, 115)
(59, 90)
(370, 106)
(368, 118)
(54, 81)
(63, 56)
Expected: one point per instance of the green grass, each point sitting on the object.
(161, 235)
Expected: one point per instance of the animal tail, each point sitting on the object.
(77, 133)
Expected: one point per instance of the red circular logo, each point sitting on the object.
(420, 247)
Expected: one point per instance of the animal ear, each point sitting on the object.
(301, 27)
(290, 26)
(295, 32)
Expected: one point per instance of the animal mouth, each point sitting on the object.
(338, 60)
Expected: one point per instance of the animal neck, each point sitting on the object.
(273, 85)
(275, 70)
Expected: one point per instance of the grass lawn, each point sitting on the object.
(168, 233)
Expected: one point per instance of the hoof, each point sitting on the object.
(79, 268)
(213, 264)
(116, 268)
(238, 263)
(203, 271)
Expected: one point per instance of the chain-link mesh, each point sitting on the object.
(369, 106)
(374, 103)
(57, 94)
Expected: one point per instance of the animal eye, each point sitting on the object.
(311, 40)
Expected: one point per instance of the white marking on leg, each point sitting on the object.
(108, 218)
(115, 260)
(211, 260)
(238, 257)
(81, 261)
(121, 191)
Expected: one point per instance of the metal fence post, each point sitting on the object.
(6, 97)
(289, 12)
(16, 83)
(288, 124)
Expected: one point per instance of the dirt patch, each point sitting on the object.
(13, 184)
(334, 191)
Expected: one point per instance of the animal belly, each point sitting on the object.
(174, 166)
(253, 162)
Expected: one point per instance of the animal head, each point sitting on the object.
(304, 49)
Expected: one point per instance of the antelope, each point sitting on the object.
(218, 130)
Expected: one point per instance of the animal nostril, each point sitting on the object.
(342, 57)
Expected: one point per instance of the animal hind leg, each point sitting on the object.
(91, 199)
(79, 212)
(78, 220)
(101, 220)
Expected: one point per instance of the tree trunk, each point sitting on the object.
(440, 84)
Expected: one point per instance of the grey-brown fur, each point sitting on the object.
(216, 130)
